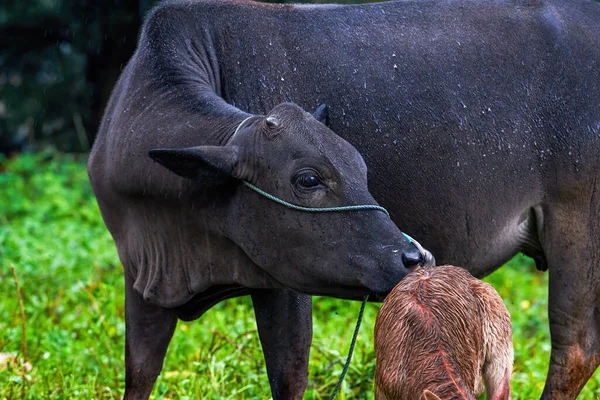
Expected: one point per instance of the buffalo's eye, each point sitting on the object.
(307, 180)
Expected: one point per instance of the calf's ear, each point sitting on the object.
(427, 395)
(190, 162)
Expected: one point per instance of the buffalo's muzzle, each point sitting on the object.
(413, 257)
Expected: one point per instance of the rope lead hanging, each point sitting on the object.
(351, 350)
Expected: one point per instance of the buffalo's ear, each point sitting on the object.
(190, 162)
(321, 114)
(427, 395)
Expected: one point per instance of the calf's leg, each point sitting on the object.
(148, 332)
(572, 247)
(284, 321)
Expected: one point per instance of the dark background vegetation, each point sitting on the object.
(59, 60)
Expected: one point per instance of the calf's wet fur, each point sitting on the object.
(441, 334)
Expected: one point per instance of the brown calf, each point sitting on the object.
(438, 333)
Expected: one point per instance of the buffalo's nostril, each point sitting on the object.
(412, 258)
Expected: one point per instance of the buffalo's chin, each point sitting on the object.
(351, 294)
(377, 298)
(373, 297)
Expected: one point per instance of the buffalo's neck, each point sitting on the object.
(175, 251)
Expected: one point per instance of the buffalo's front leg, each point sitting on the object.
(573, 250)
(284, 320)
(148, 332)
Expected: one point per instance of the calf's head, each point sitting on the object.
(291, 155)
(439, 335)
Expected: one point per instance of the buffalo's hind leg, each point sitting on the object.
(571, 240)
(148, 332)
(284, 321)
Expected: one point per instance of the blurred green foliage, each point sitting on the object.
(71, 278)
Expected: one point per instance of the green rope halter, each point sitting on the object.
(316, 209)
(327, 209)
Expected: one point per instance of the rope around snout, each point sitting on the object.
(331, 209)
(316, 209)
(351, 350)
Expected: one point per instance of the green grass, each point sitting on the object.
(72, 285)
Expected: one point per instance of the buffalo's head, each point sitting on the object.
(291, 155)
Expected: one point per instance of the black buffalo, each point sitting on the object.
(479, 122)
